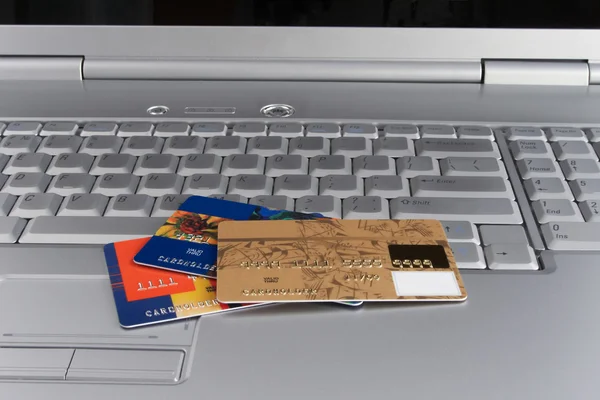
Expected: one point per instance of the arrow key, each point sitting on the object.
(510, 257)
(467, 255)
(460, 231)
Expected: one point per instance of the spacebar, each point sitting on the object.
(88, 230)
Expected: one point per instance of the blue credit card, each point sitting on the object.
(187, 242)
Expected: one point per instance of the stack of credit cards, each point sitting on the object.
(214, 256)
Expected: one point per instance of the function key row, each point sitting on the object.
(265, 146)
(245, 129)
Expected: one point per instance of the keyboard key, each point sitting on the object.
(407, 131)
(99, 129)
(351, 146)
(309, 146)
(168, 129)
(85, 205)
(205, 184)
(27, 162)
(15, 144)
(155, 163)
(57, 144)
(467, 255)
(142, 145)
(250, 129)
(157, 184)
(341, 186)
(442, 148)
(22, 128)
(386, 186)
(267, 145)
(365, 166)
(274, 202)
(296, 186)
(243, 163)
(510, 257)
(3, 161)
(538, 168)
(472, 166)
(329, 206)
(199, 164)
(409, 167)
(184, 145)
(225, 145)
(113, 164)
(26, 182)
(132, 129)
(88, 230)
(392, 146)
(437, 131)
(33, 205)
(547, 188)
(555, 134)
(503, 234)
(590, 210)
(116, 184)
(98, 145)
(11, 228)
(250, 185)
(329, 165)
(2, 127)
(580, 168)
(477, 211)
(7, 201)
(530, 149)
(571, 235)
(68, 184)
(70, 163)
(230, 197)
(556, 210)
(292, 164)
(593, 135)
(285, 129)
(525, 133)
(59, 128)
(460, 231)
(209, 129)
(167, 204)
(326, 130)
(363, 130)
(585, 189)
(475, 132)
(365, 207)
(460, 186)
(573, 149)
(130, 205)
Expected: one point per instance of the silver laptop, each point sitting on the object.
(113, 114)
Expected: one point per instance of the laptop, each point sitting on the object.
(481, 114)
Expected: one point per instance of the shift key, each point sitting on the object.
(475, 210)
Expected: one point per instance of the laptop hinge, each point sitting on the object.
(284, 69)
(41, 68)
(534, 72)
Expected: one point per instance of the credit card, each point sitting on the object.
(145, 296)
(332, 260)
(187, 242)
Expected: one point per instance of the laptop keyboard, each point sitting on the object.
(498, 193)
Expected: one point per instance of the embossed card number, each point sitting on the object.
(333, 260)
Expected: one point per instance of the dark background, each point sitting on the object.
(369, 13)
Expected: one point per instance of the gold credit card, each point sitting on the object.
(332, 260)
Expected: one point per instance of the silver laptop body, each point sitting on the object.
(496, 132)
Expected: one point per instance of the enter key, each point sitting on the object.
(461, 186)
